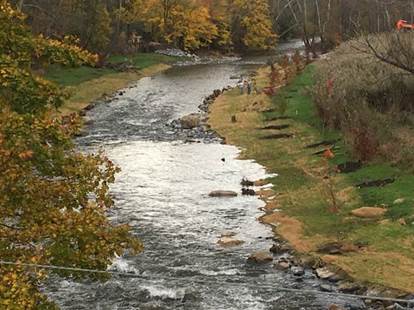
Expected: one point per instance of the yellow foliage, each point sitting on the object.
(193, 24)
(53, 199)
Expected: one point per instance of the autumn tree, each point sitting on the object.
(251, 24)
(191, 28)
(53, 199)
(220, 16)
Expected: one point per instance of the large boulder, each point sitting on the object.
(369, 212)
(223, 194)
(190, 121)
(261, 257)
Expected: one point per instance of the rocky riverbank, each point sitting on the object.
(194, 128)
(240, 120)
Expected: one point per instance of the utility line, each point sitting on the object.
(258, 286)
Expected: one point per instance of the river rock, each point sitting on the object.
(348, 287)
(297, 271)
(190, 121)
(229, 242)
(326, 288)
(324, 273)
(278, 248)
(260, 257)
(369, 212)
(282, 265)
(223, 194)
(248, 192)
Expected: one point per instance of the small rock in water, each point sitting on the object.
(229, 242)
(298, 271)
(223, 194)
(324, 273)
(326, 288)
(260, 257)
(248, 192)
(348, 287)
(246, 182)
(282, 265)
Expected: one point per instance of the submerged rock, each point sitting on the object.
(223, 194)
(228, 234)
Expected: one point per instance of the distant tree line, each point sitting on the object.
(127, 25)
(122, 25)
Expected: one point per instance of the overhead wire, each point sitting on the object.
(408, 302)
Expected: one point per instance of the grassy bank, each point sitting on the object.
(316, 202)
(86, 84)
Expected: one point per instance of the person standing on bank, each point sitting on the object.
(240, 85)
(249, 87)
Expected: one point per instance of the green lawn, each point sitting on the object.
(65, 76)
(74, 76)
(143, 60)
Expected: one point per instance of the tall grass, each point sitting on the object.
(372, 102)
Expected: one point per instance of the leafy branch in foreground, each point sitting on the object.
(53, 199)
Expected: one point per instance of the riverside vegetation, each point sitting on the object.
(341, 195)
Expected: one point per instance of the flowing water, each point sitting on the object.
(162, 192)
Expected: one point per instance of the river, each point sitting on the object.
(162, 192)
